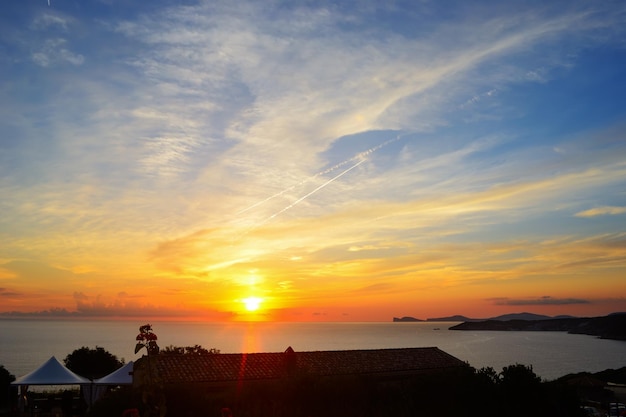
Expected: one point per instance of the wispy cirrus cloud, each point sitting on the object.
(602, 211)
(378, 73)
(540, 301)
(49, 20)
(53, 47)
(55, 51)
(7, 293)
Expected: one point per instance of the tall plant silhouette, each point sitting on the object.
(147, 339)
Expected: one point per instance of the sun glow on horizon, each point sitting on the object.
(252, 303)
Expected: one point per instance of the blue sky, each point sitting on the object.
(343, 160)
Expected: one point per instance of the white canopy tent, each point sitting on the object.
(52, 372)
(121, 376)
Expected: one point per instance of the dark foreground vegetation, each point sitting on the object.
(515, 391)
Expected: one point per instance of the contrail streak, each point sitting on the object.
(311, 178)
(315, 190)
(259, 224)
(358, 156)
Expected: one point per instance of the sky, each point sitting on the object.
(312, 161)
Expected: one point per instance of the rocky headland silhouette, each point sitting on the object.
(612, 326)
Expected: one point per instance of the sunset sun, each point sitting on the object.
(252, 303)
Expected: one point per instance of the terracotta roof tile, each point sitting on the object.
(254, 366)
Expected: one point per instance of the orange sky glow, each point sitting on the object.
(295, 162)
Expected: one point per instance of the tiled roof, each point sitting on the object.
(225, 367)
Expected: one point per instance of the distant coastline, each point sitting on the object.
(504, 317)
(612, 326)
(405, 319)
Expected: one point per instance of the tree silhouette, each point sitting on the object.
(521, 391)
(92, 363)
(5, 383)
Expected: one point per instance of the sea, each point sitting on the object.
(25, 344)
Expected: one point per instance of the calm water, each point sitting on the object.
(26, 344)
